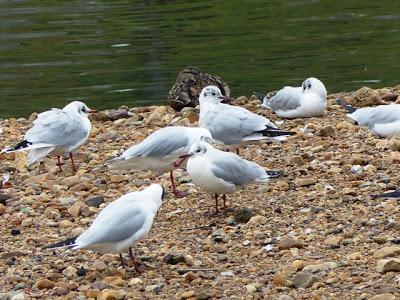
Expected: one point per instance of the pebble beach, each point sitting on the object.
(315, 234)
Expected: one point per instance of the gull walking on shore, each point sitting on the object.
(57, 131)
(120, 225)
(220, 172)
(234, 125)
(160, 151)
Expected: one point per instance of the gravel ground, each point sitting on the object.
(315, 234)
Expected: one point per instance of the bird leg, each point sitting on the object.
(73, 163)
(122, 260)
(133, 260)
(59, 164)
(224, 198)
(176, 193)
(216, 203)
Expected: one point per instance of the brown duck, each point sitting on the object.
(191, 80)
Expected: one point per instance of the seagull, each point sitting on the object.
(234, 125)
(306, 101)
(160, 150)
(56, 131)
(382, 120)
(120, 225)
(220, 172)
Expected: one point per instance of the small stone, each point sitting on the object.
(118, 178)
(250, 288)
(174, 258)
(203, 296)
(285, 297)
(99, 117)
(67, 200)
(117, 114)
(287, 243)
(99, 285)
(188, 260)
(95, 201)
(333, 241)
(114, 280)
(322, 267)
(44, 284)
(82, 186)
(383, 297)
(243, 215)
(92, 293)
(387, 252)
(104, 137)
(354, 256)
(75, 210)
(295, 160)
(135, 281)
(69, 272)
(65, 224)
(305, 182)
(187, 294)
(71, 181)
(304, 279)
(15, 231)
(388, 265)
(218, 248)
(327, 130)
(81, 271)
(108, 294)
(98, 265)
(258, 220)
(151, 288)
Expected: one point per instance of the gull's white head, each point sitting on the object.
(78, 106)
(314, 85)
(205, 135)
(199, 148)
(157, 189)
(211, 94)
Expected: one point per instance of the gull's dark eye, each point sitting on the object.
(309, 85)
(213, 93)
(198, 150)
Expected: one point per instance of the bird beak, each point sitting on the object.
(225, 99)
(185, 156)
(90, 111)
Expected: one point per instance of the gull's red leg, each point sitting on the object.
(176, 193)
(133, 260)
(73, 163)
(59, 163)
(216, 203)
(224, 198)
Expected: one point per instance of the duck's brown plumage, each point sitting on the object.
(186, 90)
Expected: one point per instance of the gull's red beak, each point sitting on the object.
(225, 99)
(92, 111)
(184, 156)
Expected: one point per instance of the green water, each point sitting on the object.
(110, 53)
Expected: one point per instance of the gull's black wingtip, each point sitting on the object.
(260, 96)
(395, 194)
(66, 243)
(350, 109)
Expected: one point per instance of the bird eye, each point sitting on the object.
(198, 150)
(309, 85)
(213, 93)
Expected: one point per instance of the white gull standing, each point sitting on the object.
(382, 120)
(57, 131)
(234, 125)
(306, 101)
(120, 225)
(160, 150)
(220, 172)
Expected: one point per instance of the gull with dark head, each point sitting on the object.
(160, 150)
(306, 101)
(120, 225)
(234, 125)
(220, 172)
(57, 131)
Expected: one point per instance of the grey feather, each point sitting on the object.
(237, 170)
